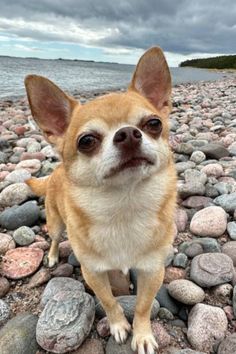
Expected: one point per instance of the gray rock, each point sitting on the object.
(231, 228)
(18, 335)
(208, 244)
(3, 157)
(184, 148)
(211, 191)
(198, 157)
(188, 189)
(180, 260)
(113, 348)
(58, 284)
(206, 325)
(165, 300)
(194, 176)
(214, 151)
(165, 314)
(65, 321)
(229, 248)
(128, 304)
(228, 345)
(15, 194)
(18, 176)
(224, 188)
(23, 236)
(182, 166)
(24, 215)
(4, 312)
(193, 250)
(73, 260)
(227, 202)
(211, 269)
(4, 143)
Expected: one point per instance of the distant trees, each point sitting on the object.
(221, 62)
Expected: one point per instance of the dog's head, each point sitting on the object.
(116, 138)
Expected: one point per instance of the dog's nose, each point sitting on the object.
(127, 137)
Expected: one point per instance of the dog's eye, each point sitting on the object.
(153, 126)
(88, 143)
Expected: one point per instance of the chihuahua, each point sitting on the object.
(115, 190)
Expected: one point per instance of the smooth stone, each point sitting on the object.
(4, 312)
(206, 325)
(231, 228)
(198, 157)
(228, 345)
(211, 269)
(224, 188)
(73, 260)
(65, 321)
(197, 202)
(56, 285)
(112, 347)
(209, 245)
(21, 262)
(127, 302)
(194, 176)
(64, 249)
(6, 243)
(213, 169)
(39, 278)
(188, 189)
(210, 221)
(165, 314)
(24, 215)
(214, 151)
(229, 248)
(184, 148)
(103, 327)
(15, 194)
(180, 260)
(90, 346)
(181, 219)
(63, 270)
(18, 176)
(186, 292)
(23, 236)
(182, 166)
(4, 286)
(193, 250)
(18, 335)
(227, 202)
(211, 191)
(32, 165)
(166, 301)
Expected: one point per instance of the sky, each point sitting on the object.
(117, 30)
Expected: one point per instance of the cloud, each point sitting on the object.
(183, 27)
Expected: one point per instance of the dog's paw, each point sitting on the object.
(51, 261)
(144, 344)
(120, 331)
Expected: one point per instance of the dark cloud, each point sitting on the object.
(183, 26)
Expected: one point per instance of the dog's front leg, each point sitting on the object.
(99, 283)
(148, 285)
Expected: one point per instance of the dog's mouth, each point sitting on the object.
(133, 162)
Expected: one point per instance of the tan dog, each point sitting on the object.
(115, 189)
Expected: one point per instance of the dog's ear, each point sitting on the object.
(152, 78)
(51, 108)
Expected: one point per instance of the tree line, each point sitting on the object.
(220, 62)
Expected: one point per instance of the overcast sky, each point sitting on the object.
(117, 30)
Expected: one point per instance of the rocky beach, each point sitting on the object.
(53, 311)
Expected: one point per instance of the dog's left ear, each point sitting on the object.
(152, 78)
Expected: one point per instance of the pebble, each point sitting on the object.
(227, 202)
(65, 321)
(160, 334)
(39, 278)
(223, 292)
(206, 325)
(213, 169)
(6, 243)
(23, 236)
(18, 335)
(21, 262)
(208, 244)
(4, 286)
(231, 228)
(166, 301)
(15, 194)
(180, 260)
(90, 346)
(197, 202)
(229, 248)
(210, 269)
(32, 165)
(114, 348)
(73, 260)
(228, 345)
(58, 284)
(128, 304)
(181, 219)
(186, 292)
(24, 215)
(198, 157)
(64, 249)
(103, 327)
(188, 189)
(18, 176)
(63, 270)
(4, 312)
(214, 151)
(165, 314)
(210, 221)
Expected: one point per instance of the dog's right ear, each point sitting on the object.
(51, 108)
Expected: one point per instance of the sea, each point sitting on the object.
(81, 76)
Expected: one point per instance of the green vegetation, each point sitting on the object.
(221, 62)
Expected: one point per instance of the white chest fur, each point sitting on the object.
(124, 221)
